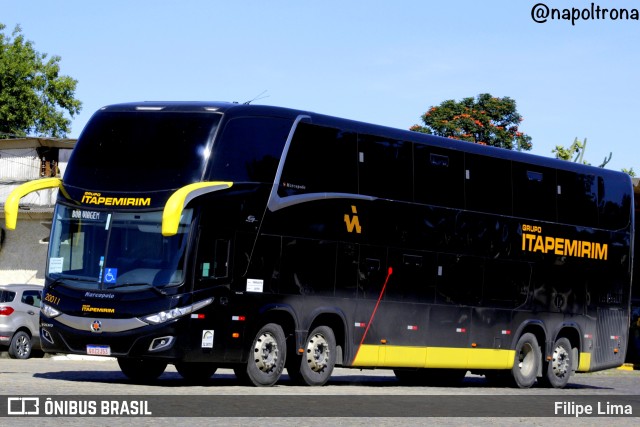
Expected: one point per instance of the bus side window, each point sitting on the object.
(506, 284)
(213, 260)
(414, 277)
(614, 200)
(455, 274)
(439, 176)
(385, 168)
(577, 199)
(535, 192)
(249, 149)
(320, 160)
(487, 184)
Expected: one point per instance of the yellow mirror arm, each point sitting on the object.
(178, 200)
(12, 202)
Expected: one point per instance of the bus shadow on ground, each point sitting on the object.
(173, 379)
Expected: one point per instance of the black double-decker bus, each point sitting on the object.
(210, 235)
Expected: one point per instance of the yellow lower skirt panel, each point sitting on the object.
(433, 357)
(585, 362)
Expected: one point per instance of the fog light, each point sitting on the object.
(162, 343)
(46, 336)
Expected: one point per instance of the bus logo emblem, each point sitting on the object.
(96, 325)
(352, 222)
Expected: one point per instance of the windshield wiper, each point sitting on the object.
(147, 286)
(61, 280)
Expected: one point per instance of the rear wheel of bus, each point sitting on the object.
(267, 357)
(141, 370)
(560, 367)
(319, 357)
(527, 361)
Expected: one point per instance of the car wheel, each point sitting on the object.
(20, 347)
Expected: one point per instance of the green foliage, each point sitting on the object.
(34, 97)
(578, 148)
(629, 172)
(484, 120)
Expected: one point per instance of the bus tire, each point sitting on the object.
(527, 361)
(141, 370)
(559, 368)
(196, 372)
(267, 356)
(319, 357)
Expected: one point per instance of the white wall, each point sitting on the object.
(23, 254)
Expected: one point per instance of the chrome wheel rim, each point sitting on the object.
(560, 362)
(266, 353)
(317, 353)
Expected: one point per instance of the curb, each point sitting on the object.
(626, 367)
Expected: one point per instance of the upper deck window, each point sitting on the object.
(141, 150)
(320, 160)
(249, 149)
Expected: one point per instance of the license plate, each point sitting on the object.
(99, 350)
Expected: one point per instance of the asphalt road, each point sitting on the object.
(348, 393)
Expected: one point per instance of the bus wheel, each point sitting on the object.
(319, 357)
(141, 370)
(527, 361)
(267, 356)
(559, 368)
(195, 372)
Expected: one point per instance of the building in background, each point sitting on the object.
(23, 251)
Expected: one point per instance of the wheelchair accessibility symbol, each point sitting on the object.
(110, 275)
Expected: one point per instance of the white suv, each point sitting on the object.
(19, 319)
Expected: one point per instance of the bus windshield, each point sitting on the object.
(103, 250)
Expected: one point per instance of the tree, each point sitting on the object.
(629, 172)
(578, 148)
(484, 120)
(34, 97)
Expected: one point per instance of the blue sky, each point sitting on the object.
(384, 62)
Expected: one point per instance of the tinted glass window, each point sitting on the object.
(308, 267)
(320, 160)
(139, 151)
(115, 249)
(31, 298)
(614, 196)
(577, 199)
(249, 149)
(534, 192)
(487, 184)
(7, 296)
(413, 278)
(372, 271)
(460, 279)
(385, 168)
(439, 176)
(506, 284)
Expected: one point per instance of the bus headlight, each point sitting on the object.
(175, 313)
(49, 311)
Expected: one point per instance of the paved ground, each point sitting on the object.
(364, 391)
